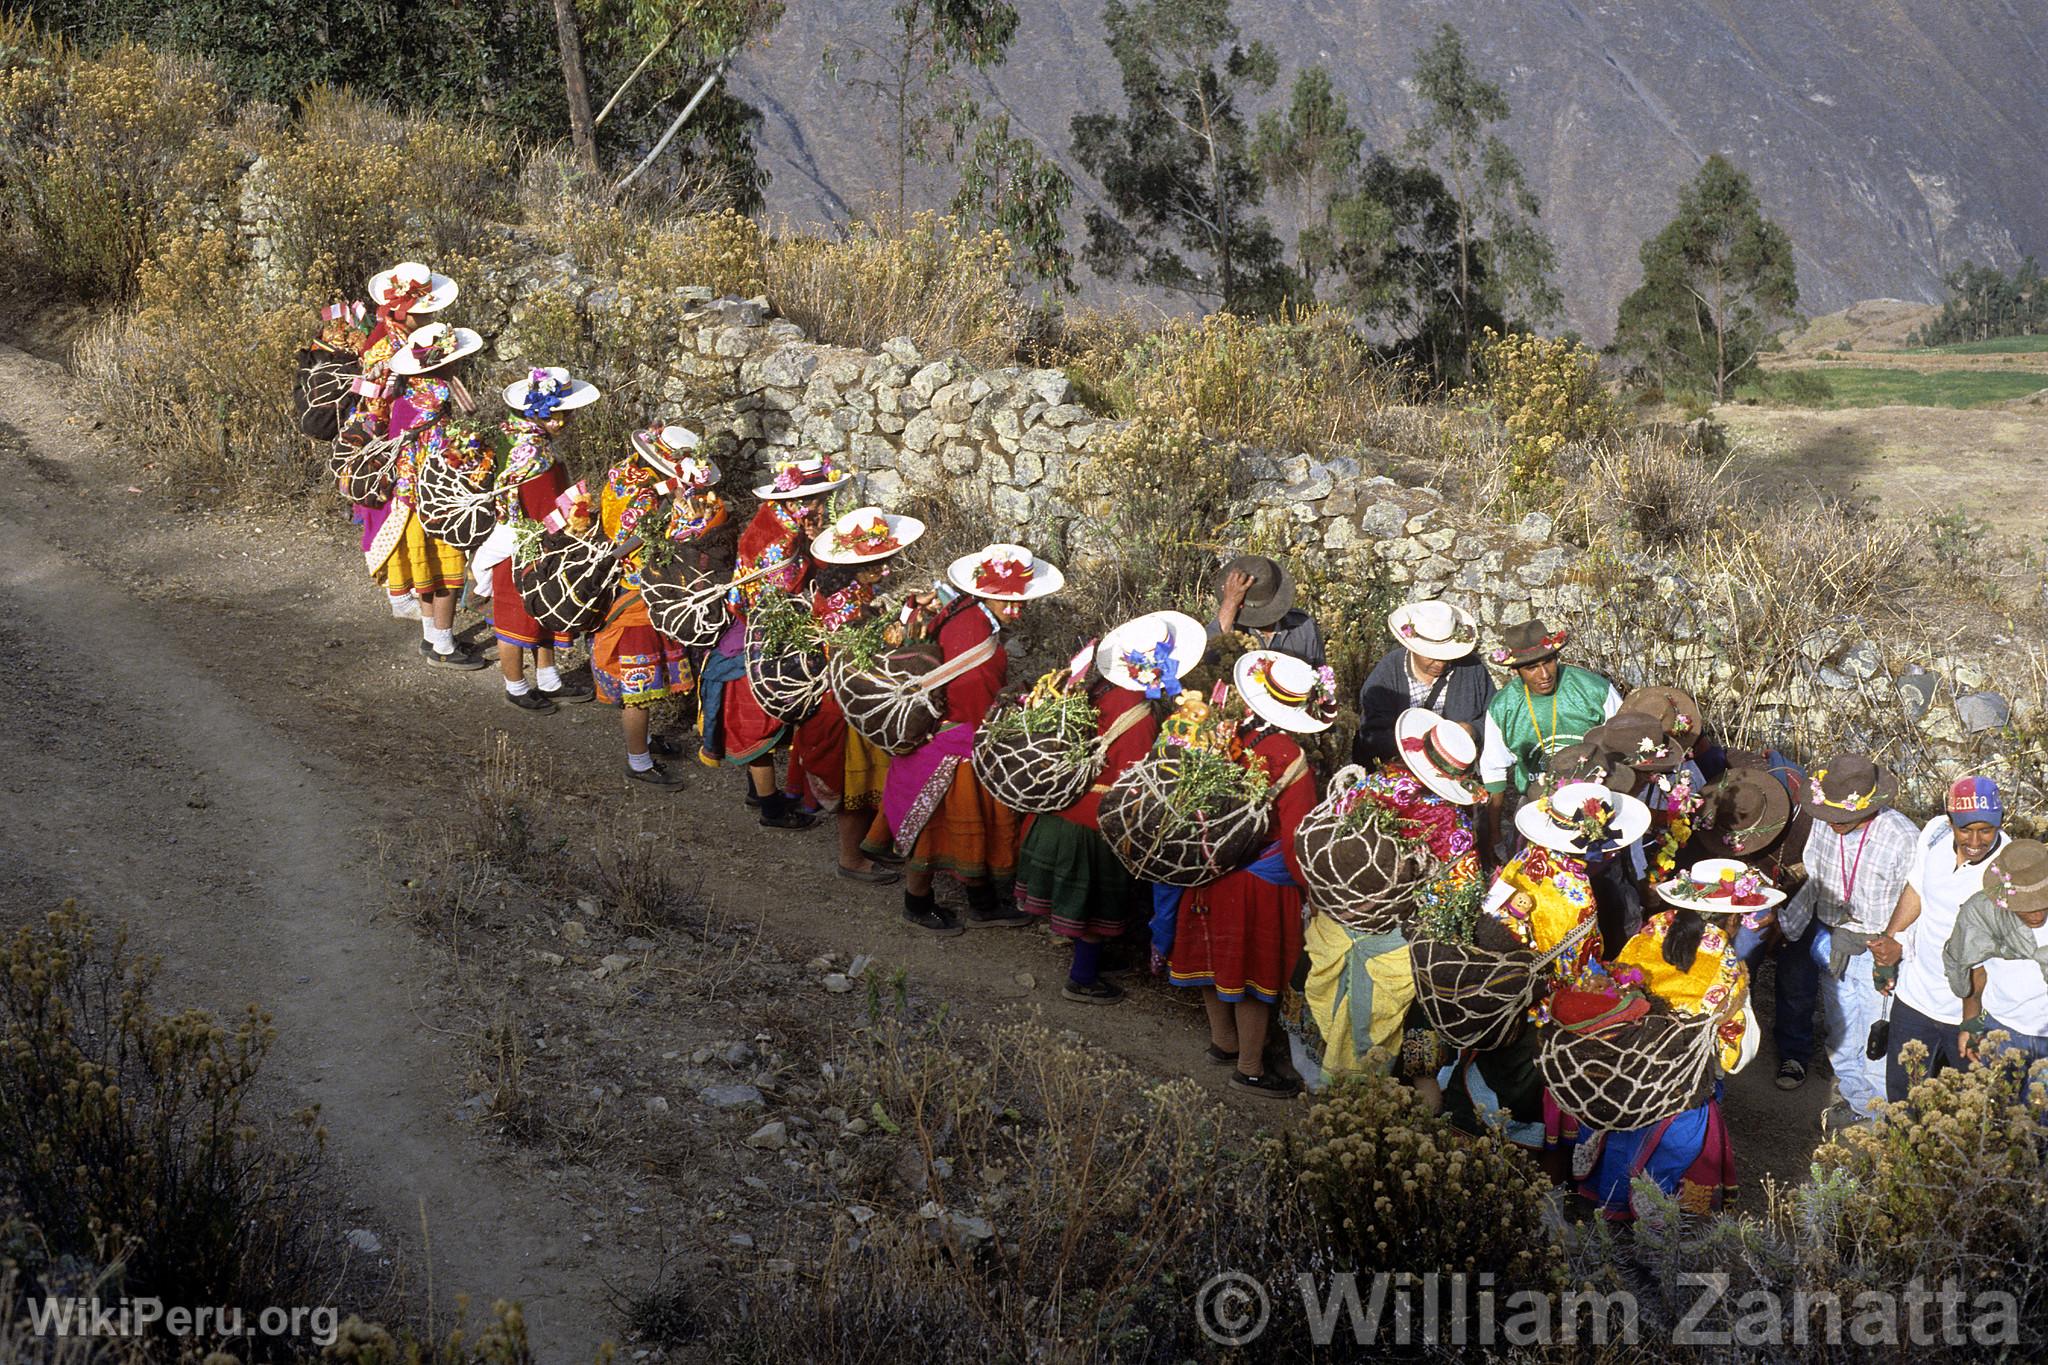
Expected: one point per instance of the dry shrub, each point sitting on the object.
(101, 156)
(928, 278)
(1641, 489)
(1303, 382)
(130, 1154)
(211, 404)
(1547, 392)
(357, 187)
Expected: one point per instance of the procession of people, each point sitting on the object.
(1533, 896)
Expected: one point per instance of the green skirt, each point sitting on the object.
(1067, 872)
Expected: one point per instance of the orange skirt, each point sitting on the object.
(971, 835)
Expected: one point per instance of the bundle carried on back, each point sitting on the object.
(565, 579)
(1039, 752)
(1197, 807)
(453, 493)
(785, 656)
(1615, 1063)
(892, 687)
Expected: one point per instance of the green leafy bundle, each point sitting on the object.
(781, 623)
(1068, 715)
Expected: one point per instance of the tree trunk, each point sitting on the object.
(581, 130)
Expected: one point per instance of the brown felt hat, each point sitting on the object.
(1849, 787)
(1271, 595)
(1527, 642)
(1589, 761)
(2017, 879)
(1640, 741)
(1743, 812)
(1676, 711)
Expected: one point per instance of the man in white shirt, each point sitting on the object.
(1949, 869)
(1858, 856)
(1998, 954)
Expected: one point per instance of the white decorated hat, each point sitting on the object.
(1129, 655)
(1435, 630)
(1721, 886)
(1287, 693)
(667, 451)
(866, 535)
(549, 382)
(1559, 820)
(1005, 573)
(808, 478)
(1441, 753)
(433, 347)
(434, 291)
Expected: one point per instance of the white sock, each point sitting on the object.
(402, 605)
(442, 640)
(640, 763)
(427, 629)
(547, 679)
(518, 689)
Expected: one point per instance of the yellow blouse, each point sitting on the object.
(1717, 984)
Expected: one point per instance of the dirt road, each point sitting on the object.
(210, 722)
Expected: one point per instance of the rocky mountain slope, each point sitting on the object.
(1893, 138)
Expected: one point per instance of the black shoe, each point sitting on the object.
(779, 812)
(1271, 1086)
(461, 658)
(656, 776)
(995, 917)
(1791, 1074)
(569, 691)
(531, 701)
(661, 746)
(930, 916)
(1096, 992)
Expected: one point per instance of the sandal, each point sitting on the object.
(878, 876)
(1271, 1086)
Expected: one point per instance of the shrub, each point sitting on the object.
(1803, 388)
(127, 1144)
(1648, 491)
(1547, 392)
(926, 277)
(105, 155)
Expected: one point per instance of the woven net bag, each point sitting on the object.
(1033, 772)
(786, 686)
(367, 470)
(452, 509)
(891, 705)
(685, 605)
(1475, 997)
(1156, 845)
(1364, 876)
(1633, 1076)
(568, 585)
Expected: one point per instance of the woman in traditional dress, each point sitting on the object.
(632, 664)
(1361, 981)
(829, 763)
(1236, 939)
(735, 731)
(529, 486)
(400, 295)
(935, 814)
(400, 553)
(1066, 873)
(1683, 957)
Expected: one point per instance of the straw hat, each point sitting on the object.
(809, 478)
(1849, 787)
(437, 291)
(1005, 573)
(549, 390)
(433, 347)
(1721, 886)
(1271, 595)
(1581, 818)
(1287, 693)
(1152, 653)
(1441, 753)
(866, 535)
(1435, 630)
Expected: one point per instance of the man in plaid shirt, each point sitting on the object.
(1858, 857)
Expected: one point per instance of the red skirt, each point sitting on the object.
(746, 732)
(632, 663)
(1240, 934)
(817, 755)
(510, 620)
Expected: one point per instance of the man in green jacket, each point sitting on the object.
(1549, 706)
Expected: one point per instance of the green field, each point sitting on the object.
(1996, 346)
(1860, 386)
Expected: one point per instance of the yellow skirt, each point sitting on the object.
(867, 768)
(421, 564)
(1358, 1006)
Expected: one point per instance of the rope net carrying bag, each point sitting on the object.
(567, 586)
(900, 702)
(787, 686)
(452, 509)
(1633, 1076)
(1476, 997)
(1157, 842)
(366, 470)
(1353, 868)
(1033, 771)
(687, 604)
